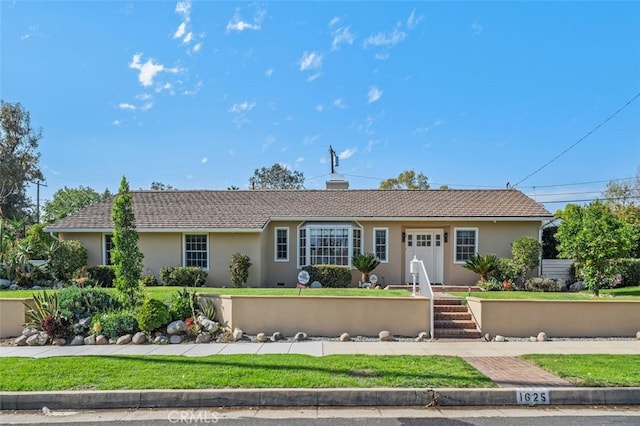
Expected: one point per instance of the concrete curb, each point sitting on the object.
(206, 398)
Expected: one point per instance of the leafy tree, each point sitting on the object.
(593, 236)
(526, 255)
(67, 201)
(126, 256)
(406, 180)
(276, 177)
(159, 186)
(18, 159)
(621, 197)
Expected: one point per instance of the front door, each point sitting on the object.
(425, 245)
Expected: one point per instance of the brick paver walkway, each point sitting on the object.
(510, 372)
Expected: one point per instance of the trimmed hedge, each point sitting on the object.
(179, 276)
(102, 274)
(329, 275)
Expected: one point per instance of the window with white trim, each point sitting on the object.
(466, 243)
(108, 246)
(196, 250)
(328, 243)
(381, 243)
(281, 241)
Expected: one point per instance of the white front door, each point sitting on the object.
(426, 245)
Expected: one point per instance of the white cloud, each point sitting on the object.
(341, 36)
(347, 153)
(187, 39)
(374, 94)
(299, 160)
(148, 70)
(310, 60)
(370, 145)
(386, 39)
(421, 130)
(33, 31)
(413, 20)
(204, 160)
(180, 31)
(314, 77)
(127, 106)
(269, 140)
(334, 21)
(308, 140)
(319, 108)
(183, 31)
(143, 96)
(197, 48)
(195, 89)
(238, 24)
(438, 122)
(381, 56)
(477, 28)
(184, 7)
(241, 107)
(269, 72)
(116, 122)
(147, 106)
(339, 103)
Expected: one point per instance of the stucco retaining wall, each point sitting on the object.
(13, 315)
(324, 315)
(557, 318)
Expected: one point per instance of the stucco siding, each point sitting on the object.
(160, 250)
(222, 246)
(91, 241)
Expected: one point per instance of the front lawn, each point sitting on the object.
(592, 370)
(624, 293)
(237, 371)
(166, 293)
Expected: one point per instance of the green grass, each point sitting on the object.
(624, 293)
(166, 293)
(592, 370)
(236, 371)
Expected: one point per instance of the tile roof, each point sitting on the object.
(203, 209)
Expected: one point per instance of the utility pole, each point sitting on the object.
(38, 185)
(334, 159)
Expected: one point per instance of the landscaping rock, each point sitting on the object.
(301, 335)
(77, 341)
(59, 342)
(176, 327)
(542, 337)
(261, 337)
(90, 340)
(113, 340)
(277, 336)
(36, 287)
(487, 337)
(533, 339)
(344, 337)
(577, 286)
(203, 338)
(38, 339)
(161, 340)
(4, 284)
(207, 325)
(14, 287)
(385, 336)
(124, 340)
(139, 338)
(175, 339)
(102, 340)
(237, 334)
(316, 284)
(422, 336)
(29, 331)
(638, 335)
(21, 340)
(499, 338)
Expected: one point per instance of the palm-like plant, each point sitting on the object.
(482, 264)
(365, 263)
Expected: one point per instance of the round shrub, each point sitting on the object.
(102, 274)
(149, 281)
(153, 314)
(114, 324)
(67, 258)
(76, 302)
(180, 308)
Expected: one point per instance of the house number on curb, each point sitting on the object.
(532, 396)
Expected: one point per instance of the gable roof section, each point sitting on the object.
(252, 210)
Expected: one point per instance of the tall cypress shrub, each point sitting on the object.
(126, 256)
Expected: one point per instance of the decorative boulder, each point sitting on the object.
(124, 340)
(139, 338)
(422, 336)
(38, 339)
(29, 331)
(237, 334)
(385, 336)
(203, 338)
(21, 340)
(161, 340)
(207, 325)
(59, 342)
(175, 339)
(176, 327)
(533, 339)
(102, 340)
(77, 341)
(577, 286)
(36, 287)
(499, 338)
(261, 337)
(316, 284)
(344, 337)
(487, 337)
(301, 335)
(277, 336)
(638, 335)
(113, 340)
(14, 287)
(90, 340)
(542, 337)
(4, 283)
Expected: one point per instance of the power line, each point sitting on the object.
(579, 140)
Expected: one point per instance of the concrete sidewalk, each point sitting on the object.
(496, 360)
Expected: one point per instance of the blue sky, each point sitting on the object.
(198, 94)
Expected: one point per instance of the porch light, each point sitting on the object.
(414, 266)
